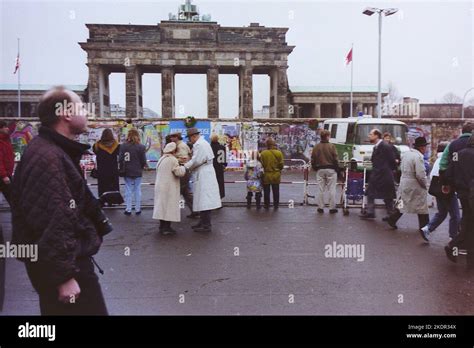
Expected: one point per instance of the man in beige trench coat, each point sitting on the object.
(413, 189)
(205, 187)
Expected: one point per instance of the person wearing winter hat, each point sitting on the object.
(167, 189)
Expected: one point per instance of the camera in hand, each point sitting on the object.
(101, 222)
(99, 219)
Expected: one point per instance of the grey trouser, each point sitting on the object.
(326, 180)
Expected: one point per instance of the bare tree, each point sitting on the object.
(451, 98)
(393, 97)
(453, 102)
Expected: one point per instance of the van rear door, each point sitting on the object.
(341, 133)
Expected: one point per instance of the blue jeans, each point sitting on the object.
(446, 206)
(133, 188)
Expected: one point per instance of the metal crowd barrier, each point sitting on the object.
(300, 164)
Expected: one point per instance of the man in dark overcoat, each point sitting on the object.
(220, 162)
(381, 182)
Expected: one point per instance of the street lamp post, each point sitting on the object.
(463, 101)
(369, 11)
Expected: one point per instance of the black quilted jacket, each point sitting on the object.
(49, 202)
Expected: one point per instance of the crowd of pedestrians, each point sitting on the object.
(53, 207)
(451, 181)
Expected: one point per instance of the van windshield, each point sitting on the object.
(398, 132)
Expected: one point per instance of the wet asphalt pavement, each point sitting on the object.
(267, 262)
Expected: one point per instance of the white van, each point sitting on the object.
(351, 135)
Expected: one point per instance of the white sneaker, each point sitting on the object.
(425, 233)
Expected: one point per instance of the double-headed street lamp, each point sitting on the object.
(369, 11)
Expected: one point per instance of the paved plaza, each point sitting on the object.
(266, 262)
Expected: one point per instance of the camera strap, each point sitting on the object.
(101, 271)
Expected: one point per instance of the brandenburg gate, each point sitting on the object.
(186, 44)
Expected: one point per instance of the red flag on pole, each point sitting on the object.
(349, 57)
(17, 64)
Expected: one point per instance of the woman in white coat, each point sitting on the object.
(167, 189)
(206, 189)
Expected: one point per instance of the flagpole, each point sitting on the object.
(352, 77)
(19, 89)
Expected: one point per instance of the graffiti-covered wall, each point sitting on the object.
(20, 134)
(434, 133)
(415, 131)
(242, 138)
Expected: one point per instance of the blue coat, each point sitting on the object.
(132, 159)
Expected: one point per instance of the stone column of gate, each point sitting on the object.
(133, 92)
(282, 94)
(93, 87)
(273, 92)
(213, 92)
(360, 107)
(246, 93)
(104, 92)
(338, 109)
(167, 93)
(317, 110)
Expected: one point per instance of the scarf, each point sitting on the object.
(107, 147)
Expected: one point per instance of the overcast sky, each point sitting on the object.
(428, 48)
